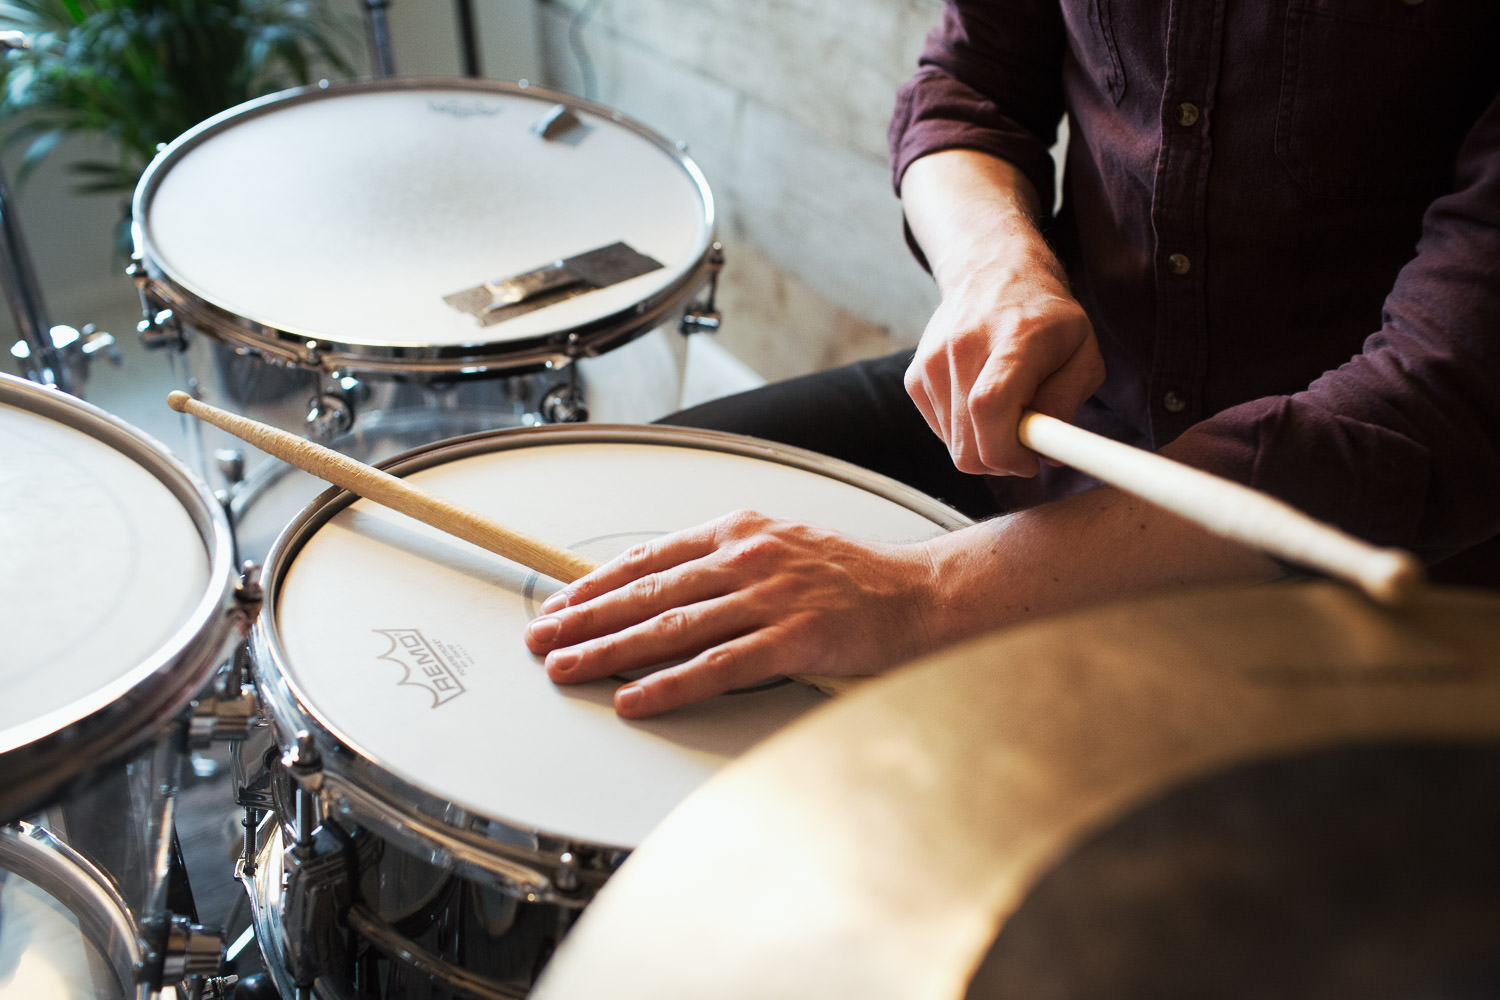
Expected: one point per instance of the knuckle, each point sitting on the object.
(753, 553)
(647, 588)
(672, 623)
(986, 396)
(719, 663)
(735, 527)
(635, 557)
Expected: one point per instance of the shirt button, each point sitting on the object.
(1187, 112)
(1179, 263)
(1174, 401)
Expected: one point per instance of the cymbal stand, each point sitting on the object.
(382, 63)
(56, 356)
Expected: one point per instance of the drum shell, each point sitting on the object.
(411, 928)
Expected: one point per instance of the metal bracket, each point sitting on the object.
(704, 317)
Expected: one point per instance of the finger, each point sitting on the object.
(737, 663)
(1061, 394)
(923, 393)
(630, 604)
(634, 563)
(675, 634)
(981, 447)
(995, 409)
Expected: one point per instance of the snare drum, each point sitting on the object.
(116, 605)
(469, 807)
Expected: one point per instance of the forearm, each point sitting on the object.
(1084, 550)
(968, 209)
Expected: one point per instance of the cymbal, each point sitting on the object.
(887, 843)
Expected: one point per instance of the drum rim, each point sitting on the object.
(104, 920)
(479, 842)
(314, 350)
(163, 684)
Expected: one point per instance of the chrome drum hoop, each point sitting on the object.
(302, 346)
(89, 895)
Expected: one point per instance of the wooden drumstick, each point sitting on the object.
(1227, 508)
(390, 491)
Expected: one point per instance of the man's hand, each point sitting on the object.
(737, 601)
(1007, 335)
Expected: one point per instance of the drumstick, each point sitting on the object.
(1227, 508)
(390, 491)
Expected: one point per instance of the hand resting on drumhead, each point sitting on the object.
(740, 599)
(745, 598)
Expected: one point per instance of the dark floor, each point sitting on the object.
(211, 837)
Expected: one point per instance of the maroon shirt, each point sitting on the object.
(1283, 218)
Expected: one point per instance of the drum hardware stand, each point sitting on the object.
(564, 402)
(705, 317)
(193, 954)
(231, 465)
(160, 329)
(56, 356)
(383, 64)
(319, 860)
(331, 413)
(232, 711)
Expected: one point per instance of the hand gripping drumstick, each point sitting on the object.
(390, 491)
(1226, 508)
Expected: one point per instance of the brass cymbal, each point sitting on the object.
(876, 847)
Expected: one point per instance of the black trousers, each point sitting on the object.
(859, 413)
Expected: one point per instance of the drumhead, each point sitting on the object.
(118, 574)
(404, 646)
(64, 932)
(345, 214)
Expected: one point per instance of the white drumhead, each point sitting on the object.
(104, 566)
(407, 644)
(61, 933)
(349, 215)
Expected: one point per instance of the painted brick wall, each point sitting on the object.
(784, 104)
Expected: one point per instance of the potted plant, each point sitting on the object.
(142, 72)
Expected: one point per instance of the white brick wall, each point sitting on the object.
(784, 103)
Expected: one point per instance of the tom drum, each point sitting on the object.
(328, 243)
(117, 604)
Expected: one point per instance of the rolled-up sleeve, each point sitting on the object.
(989, 79)
(1401, 445)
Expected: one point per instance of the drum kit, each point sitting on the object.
(424, 814)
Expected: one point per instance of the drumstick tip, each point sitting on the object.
(178, 400)
(1399, 580)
